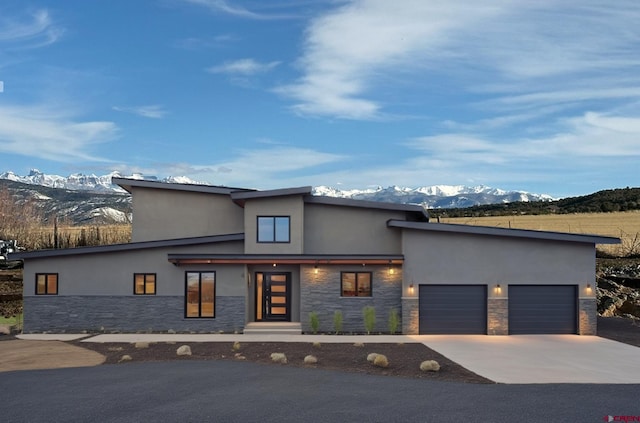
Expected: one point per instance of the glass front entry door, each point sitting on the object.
(273, 297)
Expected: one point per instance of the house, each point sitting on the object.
(209, 259)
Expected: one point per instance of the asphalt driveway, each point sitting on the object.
(541, 358)
(229, 391)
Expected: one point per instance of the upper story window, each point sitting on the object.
(274, 229)
(46, 284)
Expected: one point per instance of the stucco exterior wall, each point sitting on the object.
(96, 291)
(180, 214)
(449, 258)
(350, 230)
(291, 206)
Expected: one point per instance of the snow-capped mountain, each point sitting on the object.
(81, 182)
(436, 196)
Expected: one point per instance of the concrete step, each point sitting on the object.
(273, 328)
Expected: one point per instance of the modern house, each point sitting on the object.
(209, 259)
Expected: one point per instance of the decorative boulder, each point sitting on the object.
(429, 366)
(381, 361)
(125, 358)
(371, 357)
(279, 358)
(184, 350)
(142, 345)
(310, 359)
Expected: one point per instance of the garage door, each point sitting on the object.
(540, 309)
(453, 309)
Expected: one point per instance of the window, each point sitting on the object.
(273, 229)
(356, 284)
(144, 283)
(46, 284)
(200, 294)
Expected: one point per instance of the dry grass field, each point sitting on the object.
(625, 225)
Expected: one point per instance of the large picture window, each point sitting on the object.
(200, 294)
(273, 229)
(356, 284)
(46, 284)
(144, 283)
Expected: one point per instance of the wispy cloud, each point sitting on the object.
(534, 47)
(226, 7)
(46, 133)
(154, 111)
(36, 30)
(199, 43)
(244, 67)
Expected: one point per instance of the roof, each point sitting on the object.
(348, 202)
(239, 197)
(114, 248)
(503, 232)
(127, 184)
(357, 259)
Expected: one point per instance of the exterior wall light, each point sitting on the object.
(589, 288)
(315, 269)
(391, 269)
(498, 289)
(411, 289)
(274, 265)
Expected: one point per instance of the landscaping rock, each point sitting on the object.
(141, 345)
(125, 358)
(381, 361)
(279, 358)
(310, 359)
(183, 350)
(429, 366)
(371, 357)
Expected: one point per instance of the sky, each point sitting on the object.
(534, 95)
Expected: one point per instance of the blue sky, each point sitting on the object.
(541, 96)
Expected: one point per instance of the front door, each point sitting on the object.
(273, 297)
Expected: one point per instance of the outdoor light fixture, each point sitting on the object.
(274, 265)
(498, 289)
(391, 269)
(588, 287)
(411, 289)
(315, 269)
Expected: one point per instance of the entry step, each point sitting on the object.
(273, 328)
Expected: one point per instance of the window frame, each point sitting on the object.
(356, 274)
(273, 239)
(200, 302)
(46, 284)
(144, 283)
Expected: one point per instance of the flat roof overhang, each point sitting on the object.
(185, 259)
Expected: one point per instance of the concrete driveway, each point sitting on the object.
(541, 358)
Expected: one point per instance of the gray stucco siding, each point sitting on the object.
(320, 293)
(169, 214)
(112, 273)
(349, 230)
(127, 314)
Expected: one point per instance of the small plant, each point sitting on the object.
(394, 321)
(369, 314)
(337, 321)
(381, 361)
(316, 345)
(371, 357)
(236, 346)
(314, 321)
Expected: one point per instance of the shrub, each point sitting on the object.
(371, 357)
(369, 314)
(337, 321)
(316, 345)
(314, 322)
(429, 366)
(236, 346)
(394, 321)
(381, 361)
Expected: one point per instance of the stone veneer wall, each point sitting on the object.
(497, 316)
(320, 293)
(410, 316)
(127, 314)
(588, 316)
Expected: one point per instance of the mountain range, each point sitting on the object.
(92, 199)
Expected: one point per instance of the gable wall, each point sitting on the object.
(437, 258)
(350, 230)
(167, 214)
(291, 206)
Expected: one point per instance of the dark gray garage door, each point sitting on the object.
(539, 309)
(453, 309)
